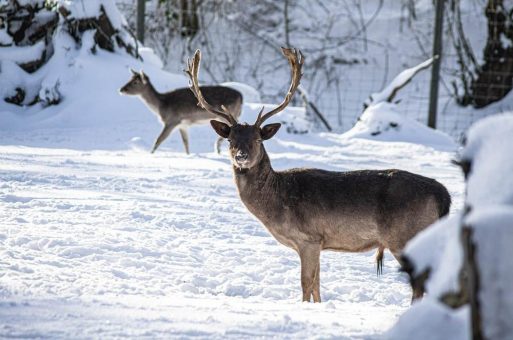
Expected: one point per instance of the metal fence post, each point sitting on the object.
(435, 70)
(140, 19)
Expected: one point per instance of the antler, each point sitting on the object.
(192, 71)
(296, 61)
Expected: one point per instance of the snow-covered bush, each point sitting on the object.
(34, 33)
(465, 262)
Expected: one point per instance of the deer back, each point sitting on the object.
(183, 105)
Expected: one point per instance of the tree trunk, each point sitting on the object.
(140, 19)
(493, 80)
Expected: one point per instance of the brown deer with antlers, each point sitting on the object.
(310, 210)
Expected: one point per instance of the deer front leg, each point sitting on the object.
(185, 139)
(310, 255)
(218, 144)
(163, 135)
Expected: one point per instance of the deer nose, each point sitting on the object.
(241, 156)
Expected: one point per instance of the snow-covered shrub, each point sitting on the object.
(34, 32)
(465, 262)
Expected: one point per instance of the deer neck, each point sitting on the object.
(151, 97)
(257, 185)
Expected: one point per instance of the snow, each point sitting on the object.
(493, 236)
(438, 249)
(118, 242)
(99, 238)
(31, 2)
(149, 57)
(23, 54)
(382, 122)
(91, 8)
(5, 39)
(488, 215)
(399, 81)
(490, 198)
(438, 323)
(78, 74)
(249, 93)
(489, 144)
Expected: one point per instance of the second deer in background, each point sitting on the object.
(179, 109)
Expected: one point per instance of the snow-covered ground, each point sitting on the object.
(114, 241)
(99, 238)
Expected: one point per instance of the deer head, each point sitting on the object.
(136, 85)
(245, 140)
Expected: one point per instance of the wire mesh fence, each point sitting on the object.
(352, 49)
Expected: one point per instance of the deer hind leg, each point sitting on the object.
(309, 256)
(317, 285)
(219, 141)
(185, 139)
(163, 135)
(418, 288)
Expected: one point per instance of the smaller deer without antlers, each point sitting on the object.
(310, 210)
(178, 108)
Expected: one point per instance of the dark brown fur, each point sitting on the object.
(310, 210)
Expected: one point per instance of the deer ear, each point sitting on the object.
(144, 77)
(221, 128)
(268, 131)
(133, 72)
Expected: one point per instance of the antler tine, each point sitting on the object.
(296, 60)
(192, 71)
